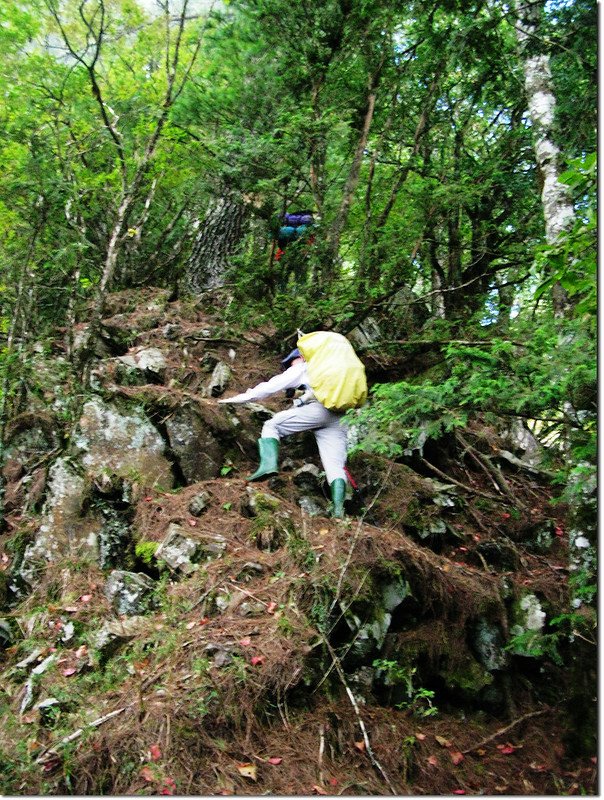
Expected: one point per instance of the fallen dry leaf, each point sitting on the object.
(270, 609)
(420, 736)
(506, 748)
(192, 522)
(51, 764)
(318, 789)
(481, 752)
(456, 757)
(274, 760)
(245, 642)
(433, 761)
(69, 671)
(85, 598)
(442, 741)
(168, 787)
(360, 746)
(81, 651)
(248, 771)
(147, 774)
(155, 752)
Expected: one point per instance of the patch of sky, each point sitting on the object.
(491, 308)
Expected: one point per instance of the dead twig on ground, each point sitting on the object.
(76, 734)
(244, 591)
(478, 521)
(507, 728)
(355, 706)
(492, 470)
(321, 751)
(446, 477)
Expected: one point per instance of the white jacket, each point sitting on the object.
(296, 375)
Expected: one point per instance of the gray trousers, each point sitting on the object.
(329, 429)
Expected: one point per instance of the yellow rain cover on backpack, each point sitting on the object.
(337, 376)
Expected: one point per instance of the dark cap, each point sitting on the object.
(289, 358)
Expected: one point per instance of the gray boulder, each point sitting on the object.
(181, 549)
(219, 380)
(308, 478)
(65, 530)
(198, 451)
(178, 550)
(129, 593)
(311, 507)
(114, 634)
(200, 503)
(143, 366)
(124, 443)
(487, 643)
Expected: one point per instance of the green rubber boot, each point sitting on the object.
(338, 493)
(269, 459)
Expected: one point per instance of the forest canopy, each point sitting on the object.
(446, 152)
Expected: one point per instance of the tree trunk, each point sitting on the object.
(217, 241)
(354, 173)
(557, 203)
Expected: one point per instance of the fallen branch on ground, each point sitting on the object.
(461, 485)
(76, 734)
(506, 729)
(355, 706)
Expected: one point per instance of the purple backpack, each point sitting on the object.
(299, 218)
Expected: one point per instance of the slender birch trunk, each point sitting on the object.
(557, 203)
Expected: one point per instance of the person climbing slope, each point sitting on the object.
(326, 366)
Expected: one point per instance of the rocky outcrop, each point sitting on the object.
(199, 453)
(65, 529)
(146, 365)
(122, 443)
(130, 593)
(181, 549)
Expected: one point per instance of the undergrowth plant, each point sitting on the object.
(419, 699)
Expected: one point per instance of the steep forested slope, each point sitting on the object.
(186, 186)
(169, 628)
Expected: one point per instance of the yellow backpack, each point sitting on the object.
(337, 376)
